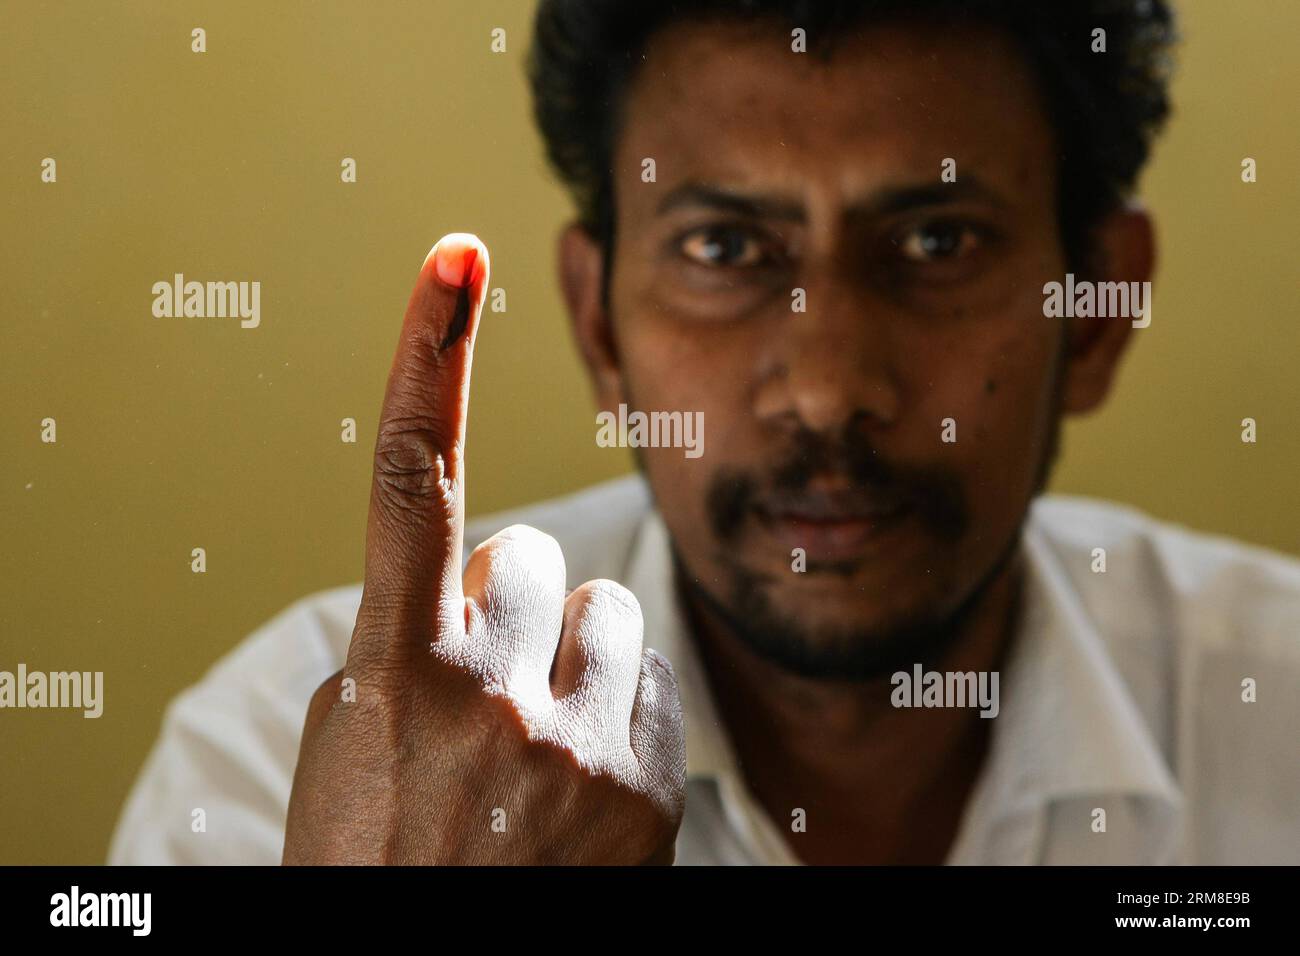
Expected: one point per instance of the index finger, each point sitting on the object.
(417, 498)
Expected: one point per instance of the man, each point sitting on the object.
(825, 230)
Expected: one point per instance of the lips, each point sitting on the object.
(831, 526)
(832, 507)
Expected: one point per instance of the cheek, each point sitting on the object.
(674, 367)
(1015, 396)
(996, 384)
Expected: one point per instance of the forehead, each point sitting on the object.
(730, 100)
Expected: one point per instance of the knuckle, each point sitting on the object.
(413, 464)
(660, 667)
(324, 697)
(603, 592)
(521, 557)
(529, 542)
(383, 662)
(349, 704)
(328, 688)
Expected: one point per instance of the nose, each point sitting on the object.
(832, 366)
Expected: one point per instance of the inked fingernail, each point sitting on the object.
(455, 258)
(457, 263)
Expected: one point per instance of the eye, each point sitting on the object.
(937, 241)
(723, 247)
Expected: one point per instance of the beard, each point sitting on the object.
(745, 607)
(849, 653)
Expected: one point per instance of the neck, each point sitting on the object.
(877, 783)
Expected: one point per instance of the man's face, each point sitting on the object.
(824, 428)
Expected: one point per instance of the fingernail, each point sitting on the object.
(457, 259)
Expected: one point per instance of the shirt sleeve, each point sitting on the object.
(215, 788)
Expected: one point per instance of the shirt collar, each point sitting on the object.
(1065, 704)
(1068, 729)
(649, 575)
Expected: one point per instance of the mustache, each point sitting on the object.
(873, 483)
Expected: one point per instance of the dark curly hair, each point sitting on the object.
(1104, 108)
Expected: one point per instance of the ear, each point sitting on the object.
(1125, 252)
(581, 263)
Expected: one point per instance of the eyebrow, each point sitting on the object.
(888, 201)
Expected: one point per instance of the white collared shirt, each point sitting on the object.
(1123, 692)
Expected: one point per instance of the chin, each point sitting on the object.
(830, 609)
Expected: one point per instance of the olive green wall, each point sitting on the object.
(175, 434)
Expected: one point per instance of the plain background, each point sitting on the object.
(175, 434)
